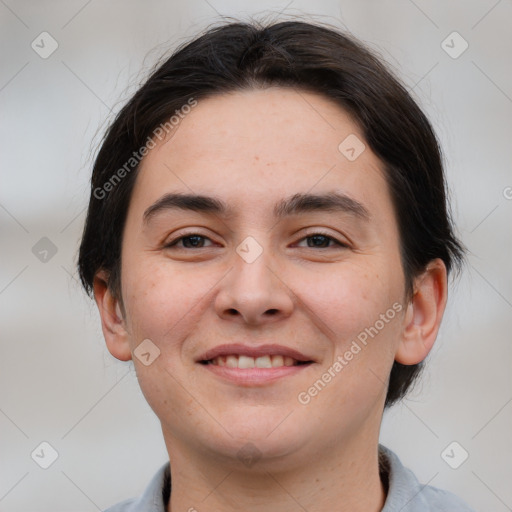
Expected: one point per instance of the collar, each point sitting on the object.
(404, 492)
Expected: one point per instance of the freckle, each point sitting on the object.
(256, 157)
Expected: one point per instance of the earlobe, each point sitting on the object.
(424, 314)
(112, 320)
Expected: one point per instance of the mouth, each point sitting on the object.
(237, 355)
(249, 365)
(245, 362)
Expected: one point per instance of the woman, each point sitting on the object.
(268, 239)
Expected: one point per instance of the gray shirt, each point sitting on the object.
(404, 492)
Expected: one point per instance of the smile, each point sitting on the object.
(245, 362)
(250, 365)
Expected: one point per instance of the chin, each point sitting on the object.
(261, 436)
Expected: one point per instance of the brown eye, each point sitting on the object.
(322, 241)
(192, 241)
(318, 241)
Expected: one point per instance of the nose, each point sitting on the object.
(254, 293)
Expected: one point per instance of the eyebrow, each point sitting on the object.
(293, 205)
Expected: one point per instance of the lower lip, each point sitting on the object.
(254, 376)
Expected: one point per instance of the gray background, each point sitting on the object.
(58, 382)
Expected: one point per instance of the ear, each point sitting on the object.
(112, 321)
(424, 314)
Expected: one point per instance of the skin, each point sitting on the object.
(252, 149)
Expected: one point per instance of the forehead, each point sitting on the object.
(259, 145)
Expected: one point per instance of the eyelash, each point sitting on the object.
(316, 233)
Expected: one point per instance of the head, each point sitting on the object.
(322, 222)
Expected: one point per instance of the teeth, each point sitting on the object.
(277, 361)
(263, 362)
(231, 361)
(245, 362)
(268, 361)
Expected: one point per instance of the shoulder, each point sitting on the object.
(405, 493)
(123, 506)
(154, 498)
(439, 499)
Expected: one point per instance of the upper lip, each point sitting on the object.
(252, 351)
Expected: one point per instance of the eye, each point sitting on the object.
(196, 241)
(322, 241)
(191, 241)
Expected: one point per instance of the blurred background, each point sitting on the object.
(67, 68)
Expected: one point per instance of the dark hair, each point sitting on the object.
(306, 56)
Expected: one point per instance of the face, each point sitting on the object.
(309, 291)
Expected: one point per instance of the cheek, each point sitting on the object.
(346, 306)
(359, 311)
(160, 306)
(157, 300)
(348, 300)
(171, 305)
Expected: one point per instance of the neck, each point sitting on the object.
(343, 478)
